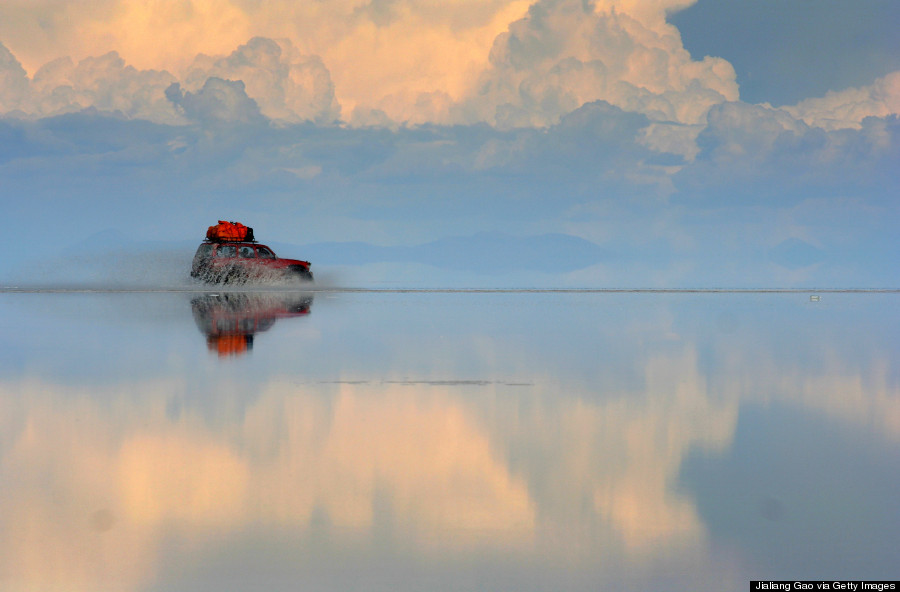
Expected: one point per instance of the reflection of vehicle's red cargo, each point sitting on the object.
(225, 257)
(229, 345)
(231, 320)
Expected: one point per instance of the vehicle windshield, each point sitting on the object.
(247, 252)
(265, 253)
(226, 251)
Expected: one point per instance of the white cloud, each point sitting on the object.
(411, 61)
(13, 81)
(847, 108)
(219, 101)
(566, 53)
(374, 50)
(756, 153)
(671, 138)
(104, 83)
(748, 132)
(383, 62)
(286, 84)
(306, 173)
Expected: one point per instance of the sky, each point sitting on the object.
(697, 143)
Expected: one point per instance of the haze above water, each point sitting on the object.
(446, 441)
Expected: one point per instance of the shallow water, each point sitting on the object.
(446, 440)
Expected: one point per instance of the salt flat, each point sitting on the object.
(446, 439)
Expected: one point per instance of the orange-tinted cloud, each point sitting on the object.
(407, 60)
(566, 53)
(373, 49)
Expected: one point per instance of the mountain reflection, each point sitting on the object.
(230, 320)
(136, 484)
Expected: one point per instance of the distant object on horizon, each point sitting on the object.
(231, 255)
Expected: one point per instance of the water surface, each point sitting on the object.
(446, 440)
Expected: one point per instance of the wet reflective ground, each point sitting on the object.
(446, 441)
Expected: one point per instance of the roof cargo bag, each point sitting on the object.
(226, 231)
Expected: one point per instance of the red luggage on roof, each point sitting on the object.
(226, 231)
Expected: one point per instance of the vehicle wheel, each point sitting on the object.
(298, 272)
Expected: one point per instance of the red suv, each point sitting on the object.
(240, 262)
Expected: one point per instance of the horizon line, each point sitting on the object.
(446, 290)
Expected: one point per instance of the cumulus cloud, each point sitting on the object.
(105, 83)
(566, 53)
(748, 132)
(409, 61)
(219, 101)
(286, 84)
(283, 83)
(774, 155)
(13, 81)
(848, 108)
(374, 50)
(384, 62)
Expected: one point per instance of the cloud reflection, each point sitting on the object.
(448, 475)
(104, 484)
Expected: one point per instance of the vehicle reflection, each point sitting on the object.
(231, 320)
